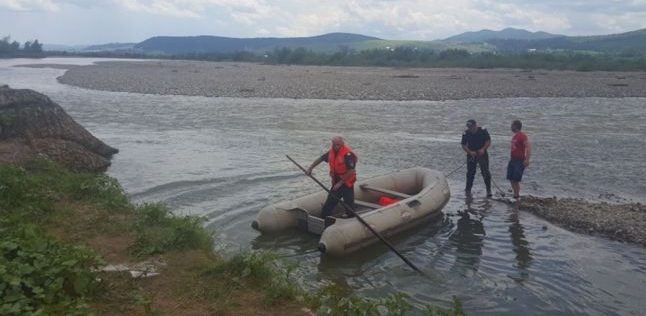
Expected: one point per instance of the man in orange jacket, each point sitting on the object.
(342, 161)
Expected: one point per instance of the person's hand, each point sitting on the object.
(526, 163)
(308, 171)
(480, 152)
(337, 186)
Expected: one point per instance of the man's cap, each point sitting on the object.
(471, 123)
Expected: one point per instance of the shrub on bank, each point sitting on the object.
(157, 231)
(41, 276)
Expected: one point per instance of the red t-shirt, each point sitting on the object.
(518, 146)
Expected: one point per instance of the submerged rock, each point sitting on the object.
(32, 125)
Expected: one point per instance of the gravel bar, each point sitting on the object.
(228, 79)
(625, 222)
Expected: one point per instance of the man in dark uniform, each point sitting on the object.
(475, 141)
(342, 161)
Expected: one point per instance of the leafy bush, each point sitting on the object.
(263, 270)
(332, 300)
(157, 230)
(41, 276)
(19, 192)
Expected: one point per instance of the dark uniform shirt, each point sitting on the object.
(350, 159)
(477, 140)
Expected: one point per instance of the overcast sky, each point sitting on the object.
(104, 21)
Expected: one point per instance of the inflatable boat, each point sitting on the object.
(389, 204)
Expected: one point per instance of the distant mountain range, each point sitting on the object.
(506, 40)
(505, 34)
(62, 47)
(629, 42)
(207, 44)
(109, 47)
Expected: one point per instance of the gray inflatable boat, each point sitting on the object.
(419, 193)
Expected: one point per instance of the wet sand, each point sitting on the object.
(227, 79)
(625, 222)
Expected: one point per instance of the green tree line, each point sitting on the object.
(412, 57)
(13, 49)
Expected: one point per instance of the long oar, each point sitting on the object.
(354, 213)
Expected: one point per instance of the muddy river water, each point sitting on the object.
(224, 159)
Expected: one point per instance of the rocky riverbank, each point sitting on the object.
(625, 222)
(228, 79)
(32, 126)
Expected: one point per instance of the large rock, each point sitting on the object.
(31, 125)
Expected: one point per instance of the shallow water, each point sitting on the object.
(224, 158)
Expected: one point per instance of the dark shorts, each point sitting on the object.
(515, 170)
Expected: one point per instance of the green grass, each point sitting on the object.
(40, 273)
(47, 212)
(158, 231)
(263, 270)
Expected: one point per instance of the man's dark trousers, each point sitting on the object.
(472, 163)
(347, 194)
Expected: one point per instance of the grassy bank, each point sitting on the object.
(62, 229)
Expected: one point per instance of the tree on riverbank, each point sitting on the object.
(9, 48)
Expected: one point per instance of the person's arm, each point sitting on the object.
(482, 150)
(315, 163)
(528, 152)
(465, 147)
(343, 178)
(466, 150)
(486, 145)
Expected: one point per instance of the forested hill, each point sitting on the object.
(217, 44)
(630, 42)
(507, 34)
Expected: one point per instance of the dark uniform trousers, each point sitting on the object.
(472, 163)
(345, 193)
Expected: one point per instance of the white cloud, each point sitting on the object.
(30, 5)
(245, 11)
(394, 19)
(166, 8)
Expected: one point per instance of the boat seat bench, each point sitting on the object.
(367, 204)
(386, 191)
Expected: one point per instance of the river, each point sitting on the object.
(224, 159)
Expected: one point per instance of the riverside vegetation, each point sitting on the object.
(412, 57)
(61, 228)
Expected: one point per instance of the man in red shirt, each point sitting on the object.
(520, 152)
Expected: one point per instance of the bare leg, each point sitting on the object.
(516, 187)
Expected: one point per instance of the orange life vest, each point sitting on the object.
(336, 160)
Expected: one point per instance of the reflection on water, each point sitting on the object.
(468, 237)
(521, 246)
(223, 158)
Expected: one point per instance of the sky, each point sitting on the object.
(81, 22)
